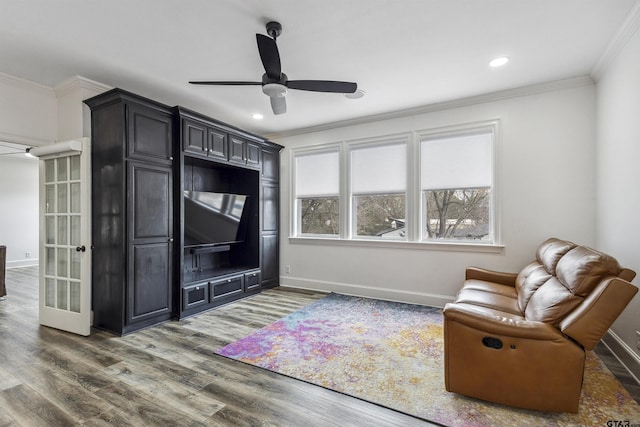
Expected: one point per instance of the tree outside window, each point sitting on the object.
(320, 215)
(461, 214)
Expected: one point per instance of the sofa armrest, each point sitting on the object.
(476, 273)
(591, 320)
(492, 322)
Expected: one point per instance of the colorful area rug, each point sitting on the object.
(392, 354)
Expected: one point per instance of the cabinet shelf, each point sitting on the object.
(206, 249)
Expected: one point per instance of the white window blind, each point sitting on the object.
(317, 174)
(379, 169)
(456, 162)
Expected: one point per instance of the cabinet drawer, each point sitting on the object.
(194, 296)
(225, 287)
(252, 281)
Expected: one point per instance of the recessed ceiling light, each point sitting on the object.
(499, 62)
(359, 93)
(257, 116)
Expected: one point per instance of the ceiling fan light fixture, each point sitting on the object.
(274, 90)
(499, 62)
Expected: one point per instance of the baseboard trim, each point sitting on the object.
(22, 263)
(420, 298)
(625, 355)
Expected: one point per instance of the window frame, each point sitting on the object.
(296, 203)
(414, 200)
(478, 128)
(351, 147)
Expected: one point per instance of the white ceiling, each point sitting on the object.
(403, 54)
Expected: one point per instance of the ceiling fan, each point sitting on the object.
(274, 82)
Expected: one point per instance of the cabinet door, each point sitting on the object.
(149, 134)
(270, 165)
(243, 152)
(195, 296)
(236, 150)
(270, 262)
(194, 137)
(226, 287)
(150, 242)
(149, 287)
(150, 201)
(217, 144)
(252, 281)
(252, 154)
(269, 206)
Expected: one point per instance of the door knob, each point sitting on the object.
(80, 248)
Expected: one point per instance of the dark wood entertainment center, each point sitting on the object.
(144, 155)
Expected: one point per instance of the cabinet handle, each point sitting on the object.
(197, 288)
(171, 158)
(228, 280)
(171, 239)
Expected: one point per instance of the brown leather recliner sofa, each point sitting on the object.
(521, 339)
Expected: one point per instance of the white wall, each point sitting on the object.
(19, 210)
(547, 181)
(618, 172)
(28, 111)
(34, 115)
(28, 115)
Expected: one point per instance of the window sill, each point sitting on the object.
(429, 246)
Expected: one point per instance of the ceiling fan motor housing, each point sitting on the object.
(274, 29)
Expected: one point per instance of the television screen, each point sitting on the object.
(213, 218)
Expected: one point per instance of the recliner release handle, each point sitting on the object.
(492, 342)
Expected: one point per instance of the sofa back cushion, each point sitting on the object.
(560, 278)
(528, 281)
(550, 251)
(551, 303)
(582, 268)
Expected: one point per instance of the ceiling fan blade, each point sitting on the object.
(322, 86)
(227, 83)
(278, 104)
(269, 56)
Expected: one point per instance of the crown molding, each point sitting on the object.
(30, 141)
(618, 42)
(78, 82)
(535, 89)
(21, 83)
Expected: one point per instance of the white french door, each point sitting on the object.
(65, 254)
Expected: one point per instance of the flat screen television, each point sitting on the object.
(213, 218)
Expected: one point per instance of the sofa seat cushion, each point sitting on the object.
(494, 288)
(490, 300)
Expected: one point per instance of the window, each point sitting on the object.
(378, 188)
(317, 186)
(430, 186)
(456, 183)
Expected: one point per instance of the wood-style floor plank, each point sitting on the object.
(164, 375)
(169, 374)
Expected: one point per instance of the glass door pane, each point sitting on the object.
(62, 264)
